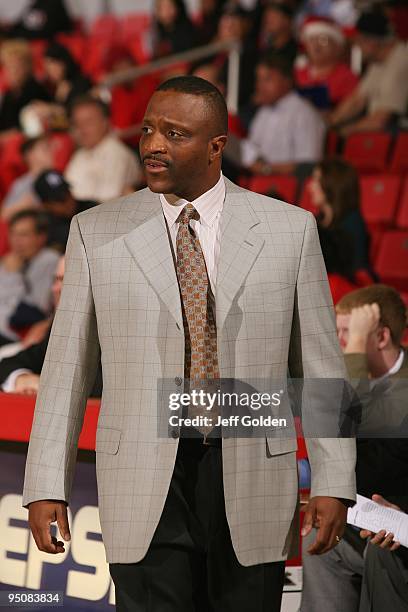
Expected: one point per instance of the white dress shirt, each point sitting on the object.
(290, 130)
(209, 206)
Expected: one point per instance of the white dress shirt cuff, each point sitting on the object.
(10, 383)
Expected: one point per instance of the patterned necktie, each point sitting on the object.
(201, 359)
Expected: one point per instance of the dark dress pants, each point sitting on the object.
(191, 565)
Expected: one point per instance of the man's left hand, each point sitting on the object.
(328, 515)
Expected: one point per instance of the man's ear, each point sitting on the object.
(217, 145)
(384, 337)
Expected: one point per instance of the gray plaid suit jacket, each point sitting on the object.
(121, 301)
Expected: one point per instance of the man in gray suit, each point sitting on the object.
(195, 278)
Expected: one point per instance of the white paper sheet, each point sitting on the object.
(367, 514)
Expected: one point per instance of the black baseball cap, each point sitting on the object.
(374, 24)
(51, 186)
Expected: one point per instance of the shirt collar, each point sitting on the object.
(208, 205)
(393, 369)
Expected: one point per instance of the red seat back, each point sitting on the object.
(368, 151)
(285, 186)
(391, 263)
(402, 215)
(399, 159)
(379, 197)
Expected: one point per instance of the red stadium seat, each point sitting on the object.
(12, 163)
(285, 186)
(391, 263)
(139, 49)
(379, 197)
(339, 286)
(133, 26)
(368, 151)
(402, 215)
(105, 27)
(399, 160)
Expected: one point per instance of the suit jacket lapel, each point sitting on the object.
(239, 248)
(149, 244)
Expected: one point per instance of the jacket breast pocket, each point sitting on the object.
(107, 440)
(280, 446)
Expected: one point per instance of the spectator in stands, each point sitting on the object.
(210, 12)
(335, 191)
(26, 274)
(382, 95)
(65, 82)
(37, 156)
(326, 79)
(173, 29)
(20, 373)
(64, 75)
(277, 33)
(22, 87)
(235, 26)
(54, 193)
(103, 167)
(286, 130)
(41, 19)
(370, 325)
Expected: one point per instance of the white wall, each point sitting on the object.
(87, 9)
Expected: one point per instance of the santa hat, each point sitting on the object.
(315, 26)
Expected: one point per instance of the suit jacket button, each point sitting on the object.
(178, 380)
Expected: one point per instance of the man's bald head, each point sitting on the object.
(211, 96)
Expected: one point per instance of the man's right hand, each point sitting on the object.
(27, 384)
(40, 516)
(364, 321)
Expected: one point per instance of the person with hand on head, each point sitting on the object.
(358, 577)
(164, 285)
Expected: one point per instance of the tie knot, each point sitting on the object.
(188, 213)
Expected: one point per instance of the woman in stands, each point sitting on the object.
(335, 192)
(64, 75)
(325, 78)
(173, 31)
(21, 86)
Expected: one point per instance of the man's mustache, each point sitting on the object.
(158, 158)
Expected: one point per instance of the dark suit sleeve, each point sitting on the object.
(31, 359)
